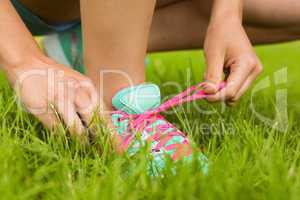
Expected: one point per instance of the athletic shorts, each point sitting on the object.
(36, 25)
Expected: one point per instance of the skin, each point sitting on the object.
(72, 95)
(208, 23)
(125, 46)
(169, 29)
(224, 50)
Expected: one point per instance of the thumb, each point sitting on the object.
(213, 74)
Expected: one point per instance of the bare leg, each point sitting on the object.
(115, 38)
(183, 25)
(58, 11)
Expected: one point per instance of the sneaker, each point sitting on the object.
(138, 123)
(137, 120)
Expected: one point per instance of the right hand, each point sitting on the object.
(48, 90)
(230, 51)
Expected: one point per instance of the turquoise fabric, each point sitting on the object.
(138, 99)
(74, 55)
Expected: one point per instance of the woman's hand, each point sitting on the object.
(51, 92)
(48, 90)
(228, 49)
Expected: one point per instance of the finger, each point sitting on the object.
(214, 72)
(239, 73)
(89, 107)
(67, 112)
(86, 109)
(86, 102)
(219, 96)
(46, 115)
(49, 120)
(243, 89)
(246, 85)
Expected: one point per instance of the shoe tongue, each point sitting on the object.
(138, 99)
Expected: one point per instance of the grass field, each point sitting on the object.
(248, 158)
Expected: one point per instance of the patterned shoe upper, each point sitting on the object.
(138, 123)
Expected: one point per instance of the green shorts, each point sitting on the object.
(38, 26)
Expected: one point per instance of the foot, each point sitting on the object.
(134, 107)
(138, 123)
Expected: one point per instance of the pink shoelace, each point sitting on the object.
(163, 132)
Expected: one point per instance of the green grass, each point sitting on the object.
(248, 158)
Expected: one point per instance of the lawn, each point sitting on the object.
(253, 147)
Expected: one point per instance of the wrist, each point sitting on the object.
(227, 11)
(13, 68)
(11, 62)
(228, 24)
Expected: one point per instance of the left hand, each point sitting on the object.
(227, 48)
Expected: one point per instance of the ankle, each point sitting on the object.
(108, 87)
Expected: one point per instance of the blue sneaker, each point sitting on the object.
(138, 123)
(137, 120)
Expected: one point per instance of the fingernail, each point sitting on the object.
(210, 88)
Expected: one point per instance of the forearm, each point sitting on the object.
(224, 11)
(16, 43)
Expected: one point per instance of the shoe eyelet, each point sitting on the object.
(156, 150)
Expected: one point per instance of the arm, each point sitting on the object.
(39, 81)
(16, 43)
(227, 48)
(231, 10)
